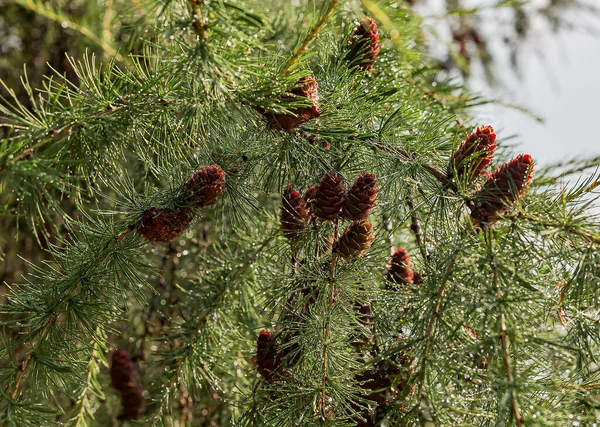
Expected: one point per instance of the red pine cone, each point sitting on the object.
(502, 188)
(294, 214)
(164, 224)
(364, 44)
(474, 154)
(133, 401)
(268, 359)
(328, 196)
(121, 369)
(205, 186)
(361, 197)
(307, 87)
(355, 241)
(400, 268)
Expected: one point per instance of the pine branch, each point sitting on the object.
(502, 334)
(198, 21)
(54, 317)
(311, 35)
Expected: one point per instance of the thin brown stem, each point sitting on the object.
(330, 303)
(431, 325)
(198, 21)
(311, 35)
(415, 227)
(502, 334)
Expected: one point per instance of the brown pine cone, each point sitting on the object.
(364, 44)
(121, 369)
(474, 154)
(306, 87)
(268, 359)
(205, 186)
(400, 268)
(328, 196)
(132, 400)
(294, 214)
(361, 197)
(502, 189)
(164, 224)
(355, 241)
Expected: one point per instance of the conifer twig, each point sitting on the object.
(330, 302)
(432, 323)
(43, 335)
(415, 227)
(198, 20)
(502, 333)
(313, 32)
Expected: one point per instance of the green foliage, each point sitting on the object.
(84, 158)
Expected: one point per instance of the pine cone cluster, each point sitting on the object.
(502, 189)
(268, 359)
(306, 87)
(474, 154)
(329, 201)
(200, 190)
(123, 379)
(399, 268)
(364, 44)
(294, 213)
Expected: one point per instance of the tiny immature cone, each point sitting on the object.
(355, 241)
(474, 154)
(268, 359)
(328, 196)
(123, 378)
(164, 224)
(361, 197)
(294, 214)
(364, 44)
(400, 268)
(307, 87)
(502, 189)
(121, 369)
(132, 400)
(205, 186)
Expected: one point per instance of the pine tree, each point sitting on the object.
(219, 210)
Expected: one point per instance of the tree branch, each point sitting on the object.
(313, 32)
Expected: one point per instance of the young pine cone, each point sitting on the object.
(364, 44)
(502, 188)
(121, 369)
(361, 197)
(164, 224)
(355, 241)
(123, 378)
(400, 268)
(205, 186)
(474, 154)
(307, 87)
(328, 196)
(268, 359)
(132, 400)
(294, 215)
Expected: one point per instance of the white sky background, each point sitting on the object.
(559, 81)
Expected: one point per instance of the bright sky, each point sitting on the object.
(565, 91)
